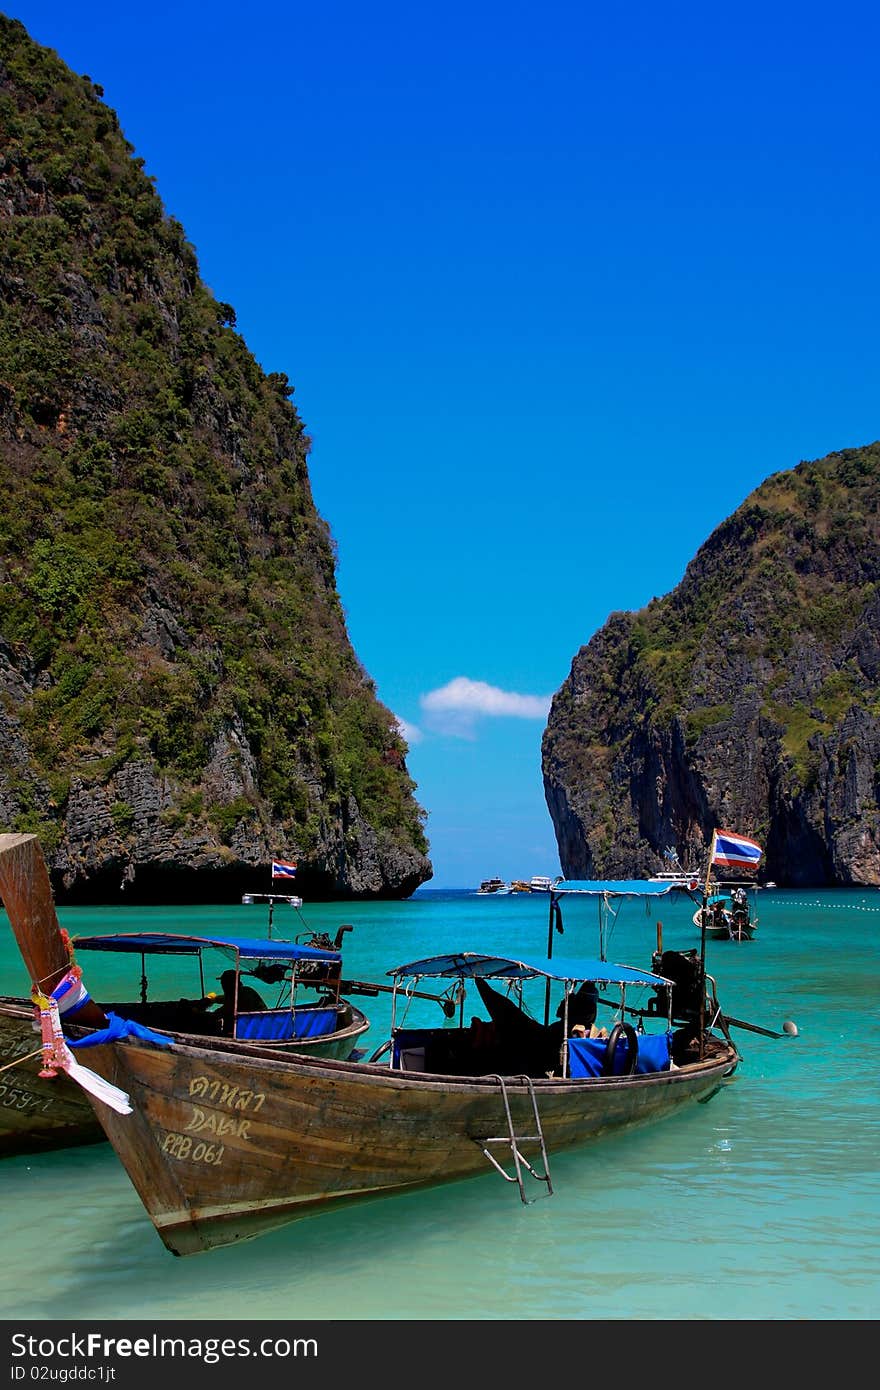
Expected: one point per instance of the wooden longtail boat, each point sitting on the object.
(38, 1112)
(41, 1111)
(727, 916)
(329, 1026)
(223, 1147)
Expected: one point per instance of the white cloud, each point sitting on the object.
(411, 732)
(455, 707)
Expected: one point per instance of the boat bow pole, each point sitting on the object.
(26, 893)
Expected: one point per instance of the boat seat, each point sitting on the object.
(473, 1051)
(280, 1025)
(411, 1058)
(442, 1051)
(410, 1046)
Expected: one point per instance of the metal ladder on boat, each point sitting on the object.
(513, 1141)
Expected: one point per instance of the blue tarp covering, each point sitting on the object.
(471, 965)
(121, 1028)
(586, 1055)
(280, 1025)
(314, 1023)
(167, 943)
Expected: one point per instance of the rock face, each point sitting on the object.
(179, 699)
(747, 699)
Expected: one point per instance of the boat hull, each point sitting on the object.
(39, 1113)
(730, 928)
(732, 933)
(221, 1149)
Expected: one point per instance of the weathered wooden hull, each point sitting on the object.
(228, 1140)
(221, 1150)
(37, 1112)
(40, 1113)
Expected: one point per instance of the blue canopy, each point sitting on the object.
(167, 943)
(469, 965)
(618, 888)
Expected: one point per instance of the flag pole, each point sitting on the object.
(709, 865)
(549, 954)
(270, 900)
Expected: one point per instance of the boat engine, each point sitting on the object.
(688, 988)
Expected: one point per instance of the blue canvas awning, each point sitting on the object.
(168, 943)
(471, 965)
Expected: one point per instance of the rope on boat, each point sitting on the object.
(408, 994)
(26, 1058)
(70, 971)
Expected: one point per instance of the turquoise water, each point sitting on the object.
(764, 1204)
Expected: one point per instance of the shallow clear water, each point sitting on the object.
(764, 1204)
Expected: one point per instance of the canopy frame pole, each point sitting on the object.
(554, 904)
(703, 945)
(567, 989)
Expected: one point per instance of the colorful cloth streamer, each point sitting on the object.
(57, 1056)
(70, 994)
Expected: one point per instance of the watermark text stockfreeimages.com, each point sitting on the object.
(31, 1353)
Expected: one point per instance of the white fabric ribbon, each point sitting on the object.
(57, 1055)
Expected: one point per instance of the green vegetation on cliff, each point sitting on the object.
(750, 695)
(166, 584)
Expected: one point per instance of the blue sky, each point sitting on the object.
(557, 286)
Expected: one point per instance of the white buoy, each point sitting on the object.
(790, 1027)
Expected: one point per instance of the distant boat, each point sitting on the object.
(520, 885)
(674, 874)
(727, 916)
(493, 885)
(540, 883)
(677, 880)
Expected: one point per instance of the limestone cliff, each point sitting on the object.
(748, 698)
(179, 699)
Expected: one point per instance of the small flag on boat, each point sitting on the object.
(734, 851)
(282, 870)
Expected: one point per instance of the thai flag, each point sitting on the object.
(734, 851)
(282, 870)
